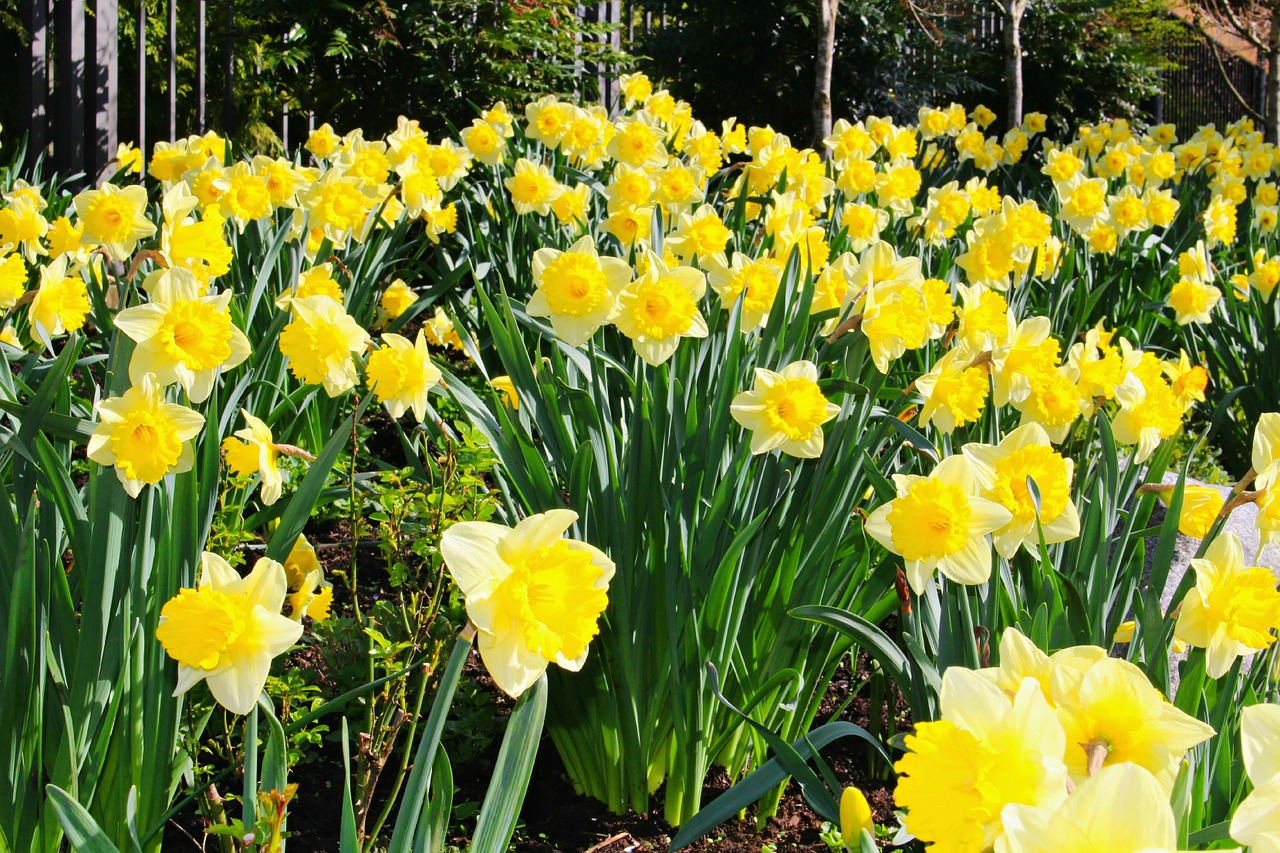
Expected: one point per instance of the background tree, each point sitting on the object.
(1257, 22)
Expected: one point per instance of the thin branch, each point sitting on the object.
(1226, 78)
(1236, 25)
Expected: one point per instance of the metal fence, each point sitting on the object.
(84, 86)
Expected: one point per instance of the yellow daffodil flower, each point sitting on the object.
(578, 289)
(400, 374)
(253, 451)
(227, 631)
(1233, 609)
(855, 818)
(987, 751)
(660, 307)
(1113, 715)
(940, 522)
(183, 337)
(534, 596)
(61, 303)
(1256, 822)
(115, 217)
(319, 343)
(143, 436)
(785, 411)
(1004, 469)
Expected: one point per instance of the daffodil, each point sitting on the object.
(507, 388)
(1025, 455)
(252, 450)
(1233, 610)
(13, 280)
(144, 436)
(855, 818)
(578, 289)
(1121, 809)
(534, 596)
(319, 343)
(400, 373)
(183, 337)
(115, 217)
(1113, 715)
(312, 598)
(1266, 450)
(227, 631)
(785, 411)
(940, 522)
(660, 307)
(1256, 822)
(395, 300)
(987, 751)
(955, 391)
(1200, 508)
(61, 302)
(532, 187)
(756, 281)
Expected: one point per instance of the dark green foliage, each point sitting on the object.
(1085, 59)
(755, 59)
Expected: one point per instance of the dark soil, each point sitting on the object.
(555, 819)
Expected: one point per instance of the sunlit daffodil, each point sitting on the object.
(227, 631)
(940, 523)
(855, 818)
(320, 342)
(507, 388)
(955, 391)
(400, 373)
(1234, 608)
(183, 337)
(395, 300)
(660, 307)
(577, 289)
(1256, 822)
(534, 596)
(1004, 469)
(785, 411)
(253, 451)
(1113, 715)
(115, 217)
(13, 280)
(61, 302)
(144, 436)
(989, 749)
(1266, 450)
(1122, 809)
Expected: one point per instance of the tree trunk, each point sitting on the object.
(1013, 10)
(1272, 107)
(828, 10)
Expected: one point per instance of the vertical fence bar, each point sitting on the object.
(173, 70)
(229, 90)
(69, 32)
(106, 85)
(33, 95)
(201, 94)
(142, 75)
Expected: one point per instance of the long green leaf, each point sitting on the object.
(511, 774)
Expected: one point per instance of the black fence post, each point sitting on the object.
(33, 94)
(69, 32)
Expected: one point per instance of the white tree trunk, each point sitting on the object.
(828, 11)
(1272, 106)
(1013, 10)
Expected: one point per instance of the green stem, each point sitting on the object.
(250, 768)
(416, 794)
